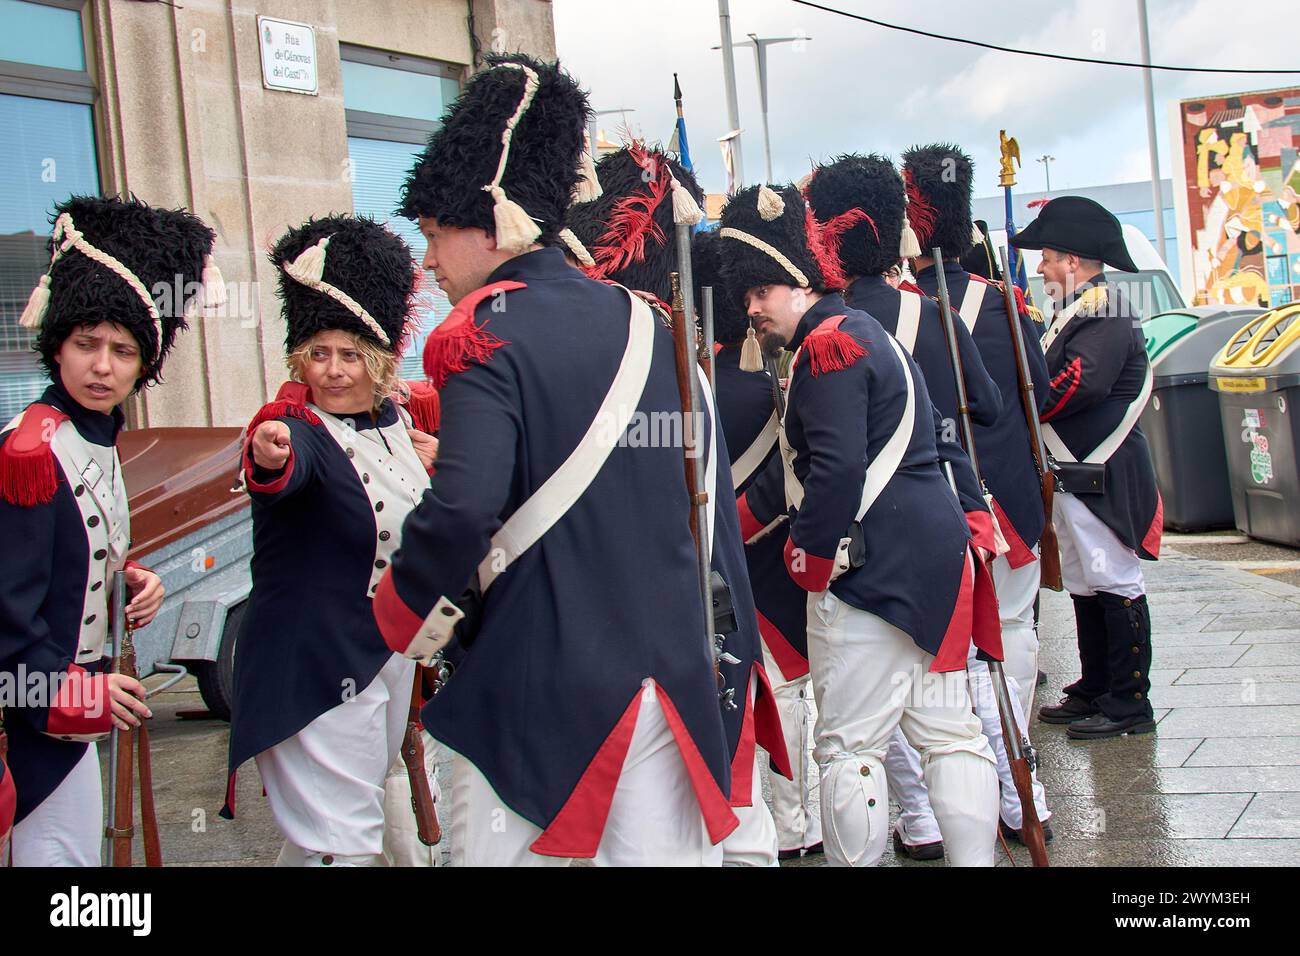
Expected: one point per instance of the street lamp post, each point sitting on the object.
(729, 88)
(760, 45)
(1047, 169)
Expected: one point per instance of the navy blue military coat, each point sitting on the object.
(309, 637)
(847, 397)
(1004, 449)
(545, 701)
(54, 588)
(1099, 363)
(747, 409)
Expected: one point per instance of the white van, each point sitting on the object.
(1151, 290)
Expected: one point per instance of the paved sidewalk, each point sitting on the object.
(1217, 784)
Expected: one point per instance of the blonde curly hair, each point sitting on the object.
(381, 367)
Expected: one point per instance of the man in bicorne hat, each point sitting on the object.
(585, 718)
(1108, 512)
(876, 537)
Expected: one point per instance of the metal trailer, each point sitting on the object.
(193, 527)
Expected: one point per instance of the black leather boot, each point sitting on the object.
(1125, 708)
(1080, 697)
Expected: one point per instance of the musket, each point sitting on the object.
(123, 745)
(1049, 554)
(706, 327)
(693, 455)
(426, 814)
(1031, 828)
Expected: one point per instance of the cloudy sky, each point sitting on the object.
(859, 87)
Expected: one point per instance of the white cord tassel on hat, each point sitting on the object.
(770, 204)
(909, 247)
(66, 236)
(976, 237)
(804, 181)
(686, 211)
(588, 188)
(309, 267)
(570, 239)
(515, 229)
(214, 284)
(751, 353)
(37, 305)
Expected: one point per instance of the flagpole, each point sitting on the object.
(729, 87)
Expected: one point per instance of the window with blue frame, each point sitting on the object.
(393, 103)
(46, 123)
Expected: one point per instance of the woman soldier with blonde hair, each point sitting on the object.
(333, 465)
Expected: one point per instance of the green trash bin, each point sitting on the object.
(1181, 422)
(1257, 376)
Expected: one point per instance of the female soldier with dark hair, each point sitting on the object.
(101, 336)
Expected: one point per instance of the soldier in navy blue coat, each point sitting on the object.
(747, 410)
(584, 717)
(938, 180)
(1109, 506)
(877, 537)
(861, 204)
(103, 330)
(333, 466)
(630, 229)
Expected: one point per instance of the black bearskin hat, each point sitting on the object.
(859, 202)
(779, 219)
(353, 255)
(542, 165)
(939, 180)
(730, 320)
(168, 251)
(629, 231)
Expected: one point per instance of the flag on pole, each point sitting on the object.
(680, 144)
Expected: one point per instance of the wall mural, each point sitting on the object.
(1240, 203)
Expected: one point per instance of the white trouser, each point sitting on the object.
(753, 843)
(1017, 590)
(916, 822)
(402, 846)
(795, 804)
(1092, 558)
(869, 678)
(654, 818)
(67, 828)
(325, 784)
(986, 706)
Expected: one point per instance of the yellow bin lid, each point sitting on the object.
(1262, 341)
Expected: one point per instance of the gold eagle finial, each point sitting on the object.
(1010, 151)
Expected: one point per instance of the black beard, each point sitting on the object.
(772, 343)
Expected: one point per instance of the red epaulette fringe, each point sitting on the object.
(459, 341)
(424, 406)
(29, 474)
(831, 349)
(290, 402)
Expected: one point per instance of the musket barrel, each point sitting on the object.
(954, 356)
(116, 635)
(706, 326)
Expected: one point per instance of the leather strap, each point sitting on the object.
(1110, 444)
(971, 303)
(887, 460)
(549, 503)
(755, 454)
(909, 320)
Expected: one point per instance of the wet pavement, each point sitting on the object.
(1217, 784)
